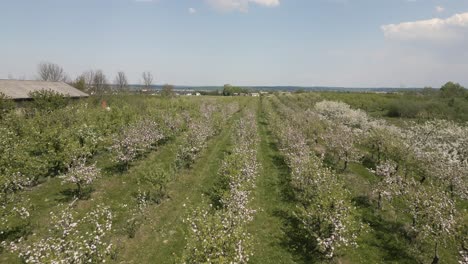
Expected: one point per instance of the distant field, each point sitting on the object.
(310, 177)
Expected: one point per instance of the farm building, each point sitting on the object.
(20, 90)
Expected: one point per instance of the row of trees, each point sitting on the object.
(421, 167)
(219, 234)
(229, 90)
(64, 143)
(93, 81)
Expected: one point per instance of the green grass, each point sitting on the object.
(271, 203)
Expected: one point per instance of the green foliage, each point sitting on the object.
(451, 89)
(152, 184)
(80, 83)
(405, 108)
(216, 240)
(167, 90)
(429, 91)
(6, 104)
(296, 221)
(47, 100)
(427, 104)
(229, 90)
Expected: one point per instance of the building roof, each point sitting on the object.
(16, 89)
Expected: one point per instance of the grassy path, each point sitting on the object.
(271, 202)
(162, 238)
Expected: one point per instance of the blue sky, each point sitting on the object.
(352, 43)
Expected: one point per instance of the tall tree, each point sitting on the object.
(51, 72)
(147, 79)
(167, 90)
(100, 84)
(89, 79)
(451, 89)
(121, 80)
(80, 83)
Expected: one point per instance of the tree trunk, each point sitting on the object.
(379, 202)
(378, 154)
(436, 253)
(451, 189)
(79, 190)
(345, 165)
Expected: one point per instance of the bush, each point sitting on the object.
(47, 100)
(167, 90)
(6, 104)
(404, 108)
(152, 185)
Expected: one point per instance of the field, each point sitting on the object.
(282, 178)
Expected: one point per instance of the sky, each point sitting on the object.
(346, 43)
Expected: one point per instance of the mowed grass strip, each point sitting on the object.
(271, 202)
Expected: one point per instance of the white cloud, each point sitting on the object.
(240, 5)
(192, 10)
(439, 9)
(269, 3)
(454, 28)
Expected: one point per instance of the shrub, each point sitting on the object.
(404, 108)
(167, 90)
(81, 174)
(71, 239)
(5, 104)
(47, 100)
(152, 185)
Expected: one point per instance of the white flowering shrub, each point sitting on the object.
(434, 216)
(390, 184)
(194, 142)
(199, 131)
(70, 240)
(343, 114)
(442, 147)
(340, 143)
(173, 123)
(81, 174)
(135, 140)
(463, 256)
(89, 139)
(420, 168)
(385, 142)
(216, 238)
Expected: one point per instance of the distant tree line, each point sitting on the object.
(230, 90)
(448, 102)
(94, 82)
